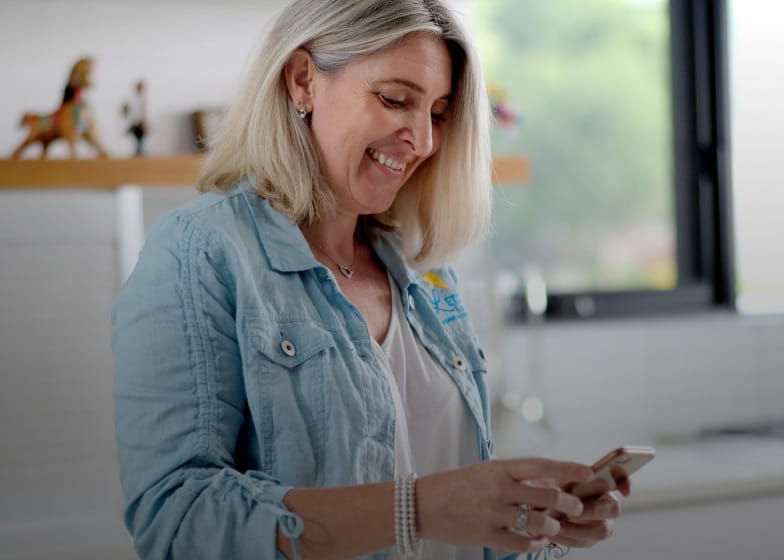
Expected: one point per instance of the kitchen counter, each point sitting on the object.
(720, 468)
(710, 499)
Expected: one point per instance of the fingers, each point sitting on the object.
(589, 490)
(552, 499)
(478, 504)
(540, 523)
(593, 525)
(561, 472)
(606, 507)
(624, 486)
(538, 482)
(584, 535)
(508, 541)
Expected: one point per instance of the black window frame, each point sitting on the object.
(701, 175)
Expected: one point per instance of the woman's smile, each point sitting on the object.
(387, 161)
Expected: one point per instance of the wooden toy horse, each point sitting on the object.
(71, 121)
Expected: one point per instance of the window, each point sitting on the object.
(621, 114)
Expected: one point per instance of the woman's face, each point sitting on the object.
(379, 118)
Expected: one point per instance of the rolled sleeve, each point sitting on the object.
(180, 406)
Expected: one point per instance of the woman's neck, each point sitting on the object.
(337, 237)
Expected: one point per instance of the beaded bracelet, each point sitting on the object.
(405, 515)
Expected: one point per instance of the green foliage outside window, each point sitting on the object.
(590, 79)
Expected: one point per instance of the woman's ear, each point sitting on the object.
(299, 72)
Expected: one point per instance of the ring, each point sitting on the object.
(520, 526)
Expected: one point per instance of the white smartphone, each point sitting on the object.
(617, 465)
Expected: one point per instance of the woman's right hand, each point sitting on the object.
(477, 505)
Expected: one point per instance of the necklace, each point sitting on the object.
(345, 270)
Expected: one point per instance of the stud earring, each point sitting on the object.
(302, 113)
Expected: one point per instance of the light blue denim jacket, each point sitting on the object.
(242, 371)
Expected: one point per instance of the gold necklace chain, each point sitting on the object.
(345, 270)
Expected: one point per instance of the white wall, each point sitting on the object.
(757, 79)
(189, 52)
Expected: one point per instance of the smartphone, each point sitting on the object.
(617, 465)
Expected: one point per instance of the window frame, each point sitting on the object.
(701, 179)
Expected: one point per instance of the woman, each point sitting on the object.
(290, 348)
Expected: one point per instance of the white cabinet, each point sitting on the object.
(59, 481)
(716, 530)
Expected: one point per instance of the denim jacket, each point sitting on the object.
(241, 371)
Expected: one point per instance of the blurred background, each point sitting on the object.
(630, 292)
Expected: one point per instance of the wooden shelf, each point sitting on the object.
(182, 170)
(101, 173)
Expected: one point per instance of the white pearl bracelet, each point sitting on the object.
(405, 515)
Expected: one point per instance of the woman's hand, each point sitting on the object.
(477, 505)
(595, 524)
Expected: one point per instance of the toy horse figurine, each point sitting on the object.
(71, 121)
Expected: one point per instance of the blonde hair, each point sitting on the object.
(445, 204)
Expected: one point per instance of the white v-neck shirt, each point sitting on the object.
(433, 429)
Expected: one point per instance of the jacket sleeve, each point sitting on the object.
(180, 401)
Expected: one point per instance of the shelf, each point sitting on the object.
(109, 173)
(100, 173)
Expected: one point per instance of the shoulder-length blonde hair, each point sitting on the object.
(444, 205)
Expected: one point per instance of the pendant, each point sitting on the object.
(346, 271)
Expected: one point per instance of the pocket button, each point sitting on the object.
(288, 348)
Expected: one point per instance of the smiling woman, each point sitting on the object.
(375, 121)
(459, 190)
(291, 348)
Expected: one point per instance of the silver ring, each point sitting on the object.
(520, 525)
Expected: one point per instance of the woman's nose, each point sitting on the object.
(420, 133)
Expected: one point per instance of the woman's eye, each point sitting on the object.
(391, 102)
(438, 118)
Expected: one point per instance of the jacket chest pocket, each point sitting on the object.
(285, 364)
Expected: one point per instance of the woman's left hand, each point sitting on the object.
(596, 522)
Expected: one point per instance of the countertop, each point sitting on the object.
(719, 468)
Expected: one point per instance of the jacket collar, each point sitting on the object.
(387, 247)
(280, 238)
(288, 251)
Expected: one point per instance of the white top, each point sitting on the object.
(434, 430)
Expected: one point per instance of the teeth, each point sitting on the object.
(386, 161)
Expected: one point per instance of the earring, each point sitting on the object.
(302, 113)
